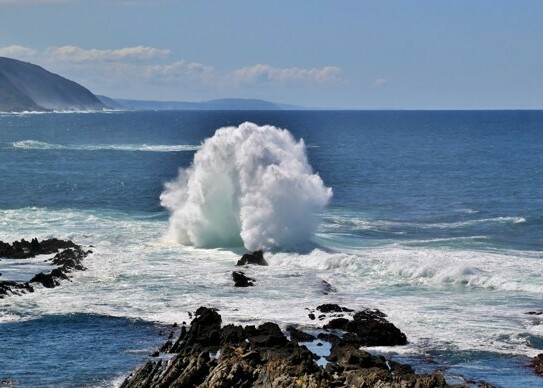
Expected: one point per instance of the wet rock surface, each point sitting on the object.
(68, 257)
(207, 354)
(537, 364)
(240, 280)
(255, 258)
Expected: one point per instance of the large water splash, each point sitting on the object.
(248, 185)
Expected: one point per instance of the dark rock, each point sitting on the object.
(68, 257)
(299, 336)
(263, 357)
(240, 280)
(231, 335)
(166, 347)
(337, 324)
(311, 316)
(527, 313)
(24, 249)
(47, 281)
(205, 327)
(374, 330)
(256, 258)
(267, 335)
(537, 364)
(180, 341)
(332, 308)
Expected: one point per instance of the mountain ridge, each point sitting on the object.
(216, 104)
(28, 87)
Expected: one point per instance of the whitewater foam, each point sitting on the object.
(248, 185)
(39, 145)
(133, 273)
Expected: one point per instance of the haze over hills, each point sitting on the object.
(218, 104)
(28, 87)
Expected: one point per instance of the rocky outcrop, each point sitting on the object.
(25, 249)
(369, 328)
(241, 280)
(256, 258)
(68, 257)
(208, 355)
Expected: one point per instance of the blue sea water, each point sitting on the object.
(436, 219)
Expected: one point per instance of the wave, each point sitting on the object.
(248, 185)
(39, 145)
(433, 268)
(356, 223)
(500, 270)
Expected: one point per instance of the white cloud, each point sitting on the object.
(122, 72)
(76, 54)
(266, 74)
(179, 69)
(19, 52)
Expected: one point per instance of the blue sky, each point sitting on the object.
(476, 54)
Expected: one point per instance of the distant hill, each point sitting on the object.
(220, 104)
(28, 87)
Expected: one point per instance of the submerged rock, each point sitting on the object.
(208, 355)
(326, 288)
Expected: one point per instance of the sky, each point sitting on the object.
(347, 54)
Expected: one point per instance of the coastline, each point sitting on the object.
(206, 354)
(68, 257)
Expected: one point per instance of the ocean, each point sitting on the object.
(433, 217)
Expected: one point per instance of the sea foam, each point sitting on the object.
(39, 145)
(248, 185)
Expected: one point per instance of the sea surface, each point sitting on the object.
(436, 219)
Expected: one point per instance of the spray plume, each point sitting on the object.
(248, 185)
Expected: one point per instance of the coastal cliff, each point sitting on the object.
(28, 87)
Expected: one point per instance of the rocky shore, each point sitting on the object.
(68, 257)
(206, 354)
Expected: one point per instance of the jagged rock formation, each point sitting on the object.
(68, 257)
(208, 355)
(28, 87)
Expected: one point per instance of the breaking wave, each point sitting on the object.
(38, 145)
(248, 185)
